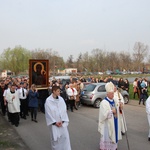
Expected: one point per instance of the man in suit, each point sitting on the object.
(23, 100)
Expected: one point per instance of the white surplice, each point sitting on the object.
(148, 113)
(72, 92)
(55, 111)
(13, 104)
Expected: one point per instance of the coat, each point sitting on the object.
(104, 110)
(78, 93)
(33, 99)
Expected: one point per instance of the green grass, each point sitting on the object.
(131, 92)
(7, 144)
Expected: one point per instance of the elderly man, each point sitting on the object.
(148, 114)
(108, 122)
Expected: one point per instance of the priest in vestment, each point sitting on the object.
(57, 120)
(108, 122)
(119, 101)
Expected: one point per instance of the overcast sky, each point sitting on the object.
(73, 26)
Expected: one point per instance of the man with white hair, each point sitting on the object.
(148, 114)
(108, 122)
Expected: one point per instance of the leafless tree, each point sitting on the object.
(78, 63)
(140, 51)
(125, 61)
(70, 63)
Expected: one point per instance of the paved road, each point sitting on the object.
(83, 129)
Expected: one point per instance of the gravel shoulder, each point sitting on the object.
(9, 138)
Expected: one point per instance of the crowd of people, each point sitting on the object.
(140, 88)
(70, 91)
(18, 100)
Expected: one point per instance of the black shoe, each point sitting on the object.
(24, 117)
(16, 125)
(76, 108)
(32, 119)
(35, 121)
(149, 139)
(3, 114)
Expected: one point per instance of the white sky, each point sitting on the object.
(73, 26)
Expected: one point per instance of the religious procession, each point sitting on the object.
(22, 100)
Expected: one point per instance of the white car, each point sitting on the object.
(94, 93)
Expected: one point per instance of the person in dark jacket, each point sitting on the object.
(121, 83)
(2, 100)
(126, 85)
(33, 102)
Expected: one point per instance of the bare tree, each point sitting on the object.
(125, 61)
(40, 54)
(112, 59)
(85, 62)
(139, 53)
(70, 62)
(78, 63)
(55, 61)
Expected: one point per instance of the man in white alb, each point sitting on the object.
(57, 120)
(148, 114)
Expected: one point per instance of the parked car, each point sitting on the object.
(94, 93)
(125, 95)
(63, 79)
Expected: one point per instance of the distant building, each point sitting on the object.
(5, 73)
(67, 71)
